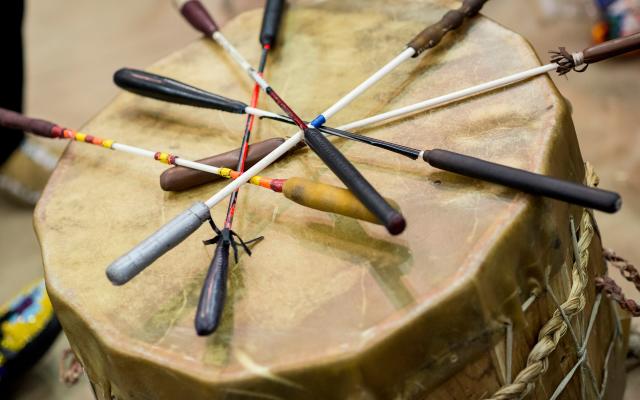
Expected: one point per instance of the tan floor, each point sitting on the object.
(74, 46)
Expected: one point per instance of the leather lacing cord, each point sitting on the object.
(568, 62)
(612, 290)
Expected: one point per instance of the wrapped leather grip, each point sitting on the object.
(271, 22)
(197, 15)
(611, 48)
(13, 120)
(170, 235)
(349, 175)
(432, 35)
(214, 291)
(524, 181)
(177, 179)
(165, 89)
(328, 198)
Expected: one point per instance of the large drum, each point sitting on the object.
(474, 296)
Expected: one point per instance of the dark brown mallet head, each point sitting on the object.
(13, 120)
(197, 15)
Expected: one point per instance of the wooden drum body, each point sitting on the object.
(329, 307)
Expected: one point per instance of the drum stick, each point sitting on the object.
(197, 15)
(212, 296)
(299, 190)
(169, 90)
(518, 179)
(163, 240)
(14, 120)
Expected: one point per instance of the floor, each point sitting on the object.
(73, 47)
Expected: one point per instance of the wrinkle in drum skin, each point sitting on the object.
(252, 366)
(306, 304)
(474, 228)
(274, 214)
(411, 169)
(232, 133)
(189, 128)
(174, 319)
(176, 315)
(363, 289)
(250, 394)
(385, 260)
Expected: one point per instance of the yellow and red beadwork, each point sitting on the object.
(59, 132)
(165, 158)
(269, 183)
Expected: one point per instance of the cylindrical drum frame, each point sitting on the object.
(475, 295)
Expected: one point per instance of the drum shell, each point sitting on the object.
(488, 247)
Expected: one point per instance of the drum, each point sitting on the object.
(474, 296)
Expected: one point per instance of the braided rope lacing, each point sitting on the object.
(553, 331)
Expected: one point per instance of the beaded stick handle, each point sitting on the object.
(178, 179)
(14, 120)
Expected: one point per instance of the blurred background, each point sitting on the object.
(74, 46)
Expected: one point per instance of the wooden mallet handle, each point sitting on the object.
(433, 34)
(611, 48)
(524, 181)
